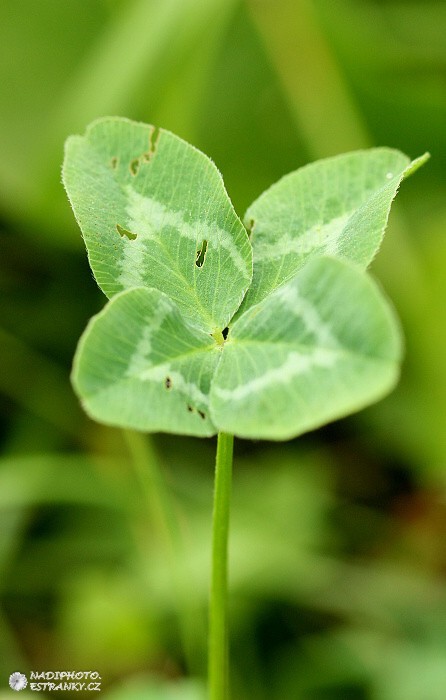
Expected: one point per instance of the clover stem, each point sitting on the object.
(218, 617)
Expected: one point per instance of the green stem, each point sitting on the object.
(218, 619)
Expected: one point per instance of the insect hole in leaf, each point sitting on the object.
(201, 253)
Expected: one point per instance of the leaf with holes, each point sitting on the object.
(185, 344)
(318, 348)
(154, 212)
(141, 365)
(338, 207)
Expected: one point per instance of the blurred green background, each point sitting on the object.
(337, 552)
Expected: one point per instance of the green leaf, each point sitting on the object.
(337, 207)
(154, 212)
(140, 365)
(314, 339)
(322, 346)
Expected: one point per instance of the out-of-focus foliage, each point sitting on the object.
(337, 545)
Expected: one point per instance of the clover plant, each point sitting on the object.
(263, 328)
